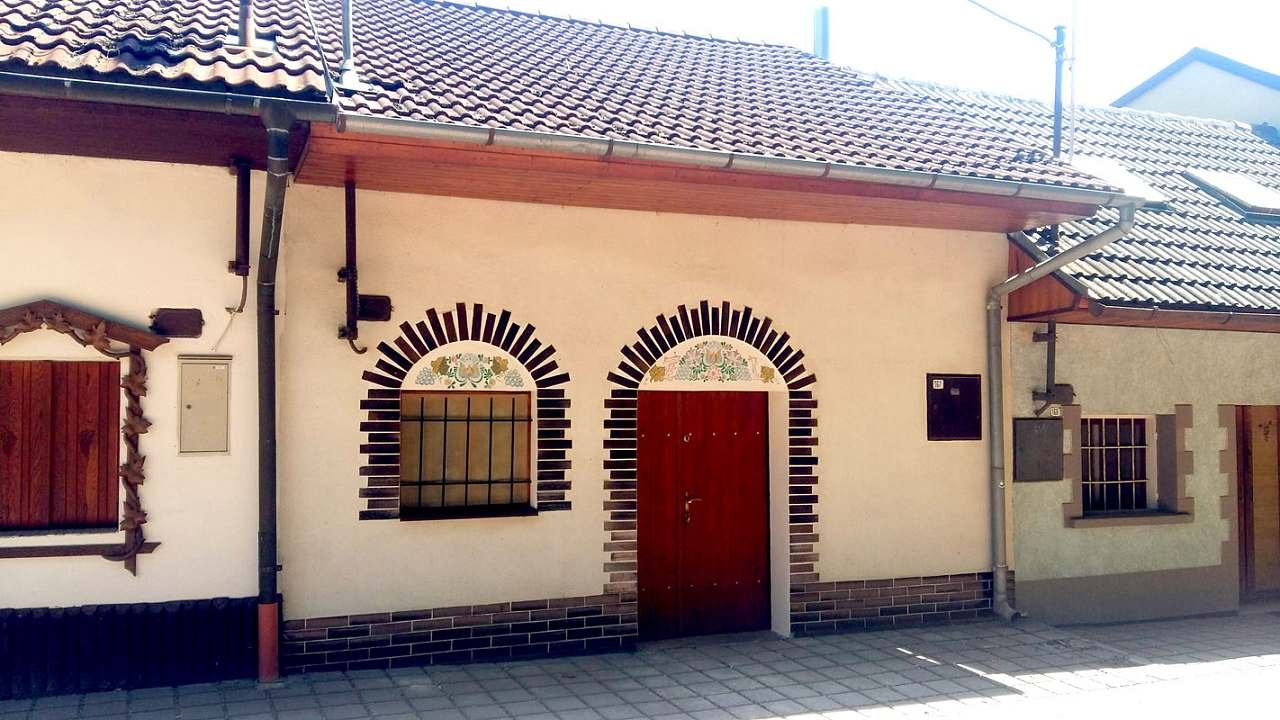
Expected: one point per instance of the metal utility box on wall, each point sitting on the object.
(954, 406)
(203, 404)
(1037, 449)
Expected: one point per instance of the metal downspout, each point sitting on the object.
(278, 121)
(995, 395)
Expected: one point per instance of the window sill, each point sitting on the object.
(49, 551)
(53, 532)
(1154, 517)
(460, 513)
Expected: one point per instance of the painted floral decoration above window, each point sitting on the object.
(469, 370)
(711, 361)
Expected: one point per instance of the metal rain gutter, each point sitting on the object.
(995, 393)
(57, 88)
(605, 149)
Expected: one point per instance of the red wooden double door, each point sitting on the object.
(703, 513)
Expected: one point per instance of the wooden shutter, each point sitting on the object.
(24, 445)
(59, 444)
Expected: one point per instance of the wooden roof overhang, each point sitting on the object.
(1056, 297)
(433, 167)
(133, 132)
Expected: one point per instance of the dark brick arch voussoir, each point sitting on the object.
(381, 405)
(620, 447)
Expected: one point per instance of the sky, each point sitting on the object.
(1117, 43)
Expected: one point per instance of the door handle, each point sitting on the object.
(688, 506)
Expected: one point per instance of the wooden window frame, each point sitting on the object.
(446, 512)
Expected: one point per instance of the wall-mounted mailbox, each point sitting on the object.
(178, 322)
(954, 406)
(204, 400)
(1037, 449)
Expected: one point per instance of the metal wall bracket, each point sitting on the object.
(1061, 394)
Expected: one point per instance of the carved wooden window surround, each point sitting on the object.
(118, 342)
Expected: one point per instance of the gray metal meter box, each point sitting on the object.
(203, 404)
(1037, 449)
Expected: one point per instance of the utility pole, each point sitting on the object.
(1050, 336)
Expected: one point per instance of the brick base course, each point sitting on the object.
(470, 633)
(605, 623)
(825, 607)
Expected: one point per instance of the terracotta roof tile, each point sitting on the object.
(478, 66)
(182, 42)
(1199, 253)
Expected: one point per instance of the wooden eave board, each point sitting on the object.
(1045, 297)
(126, 132)
(397, 164)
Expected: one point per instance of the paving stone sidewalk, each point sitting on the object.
(987, 668)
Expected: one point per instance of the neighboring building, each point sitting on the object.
(1144, 338)
(567, 218)
(1206, 84)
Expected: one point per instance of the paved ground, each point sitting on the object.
(1227, 667)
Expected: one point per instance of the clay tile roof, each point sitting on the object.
(172, 42)
(1199, 253)
(479, 66)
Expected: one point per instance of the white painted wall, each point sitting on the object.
(1147, 372)
(120, 239)
(873, 308)
(1202, 90)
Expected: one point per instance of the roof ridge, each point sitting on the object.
(477, 5)
(991, 94)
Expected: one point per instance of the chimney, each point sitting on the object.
(822, 32)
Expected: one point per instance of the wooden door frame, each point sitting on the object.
(1244, 506)
(1244, 497)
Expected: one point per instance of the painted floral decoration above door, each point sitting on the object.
(469, 370)
(711, 361)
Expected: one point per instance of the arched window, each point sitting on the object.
(467, 418)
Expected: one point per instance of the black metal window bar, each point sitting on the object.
(1113, 465)
(464, 454)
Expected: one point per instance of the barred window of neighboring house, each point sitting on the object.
(1117, 464)
(464, 454)
(59, 445)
